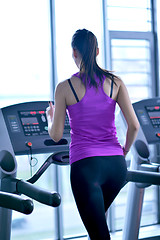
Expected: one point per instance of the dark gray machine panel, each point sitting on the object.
(27, 123)
(148, 113)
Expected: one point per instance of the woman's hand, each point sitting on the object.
(124, 151)
(50, 112)
(56, 113)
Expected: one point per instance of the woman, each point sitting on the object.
(98, 167)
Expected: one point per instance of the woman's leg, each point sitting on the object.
(95, 183)
(115, 179)
(89, 199)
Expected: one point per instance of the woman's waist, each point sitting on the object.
(95, 142)
(81, 151)
(94, 137)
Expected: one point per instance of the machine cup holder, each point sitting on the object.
(144, 163)
(9, 166)
(142, 151)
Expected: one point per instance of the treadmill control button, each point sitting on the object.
(158, 135)
(28, 144)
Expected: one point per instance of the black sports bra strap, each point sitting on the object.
(111, 87)
(71, 86)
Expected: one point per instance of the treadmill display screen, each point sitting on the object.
(154, 115)
(34, 123)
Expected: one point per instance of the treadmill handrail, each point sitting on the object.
(143, 177)
(49, 198)
(14, 202)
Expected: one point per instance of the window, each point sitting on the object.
(132, 60)
(79, 15)
(25, 75)
(130, 15)
(25, 51)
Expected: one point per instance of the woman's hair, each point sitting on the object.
(86, 43)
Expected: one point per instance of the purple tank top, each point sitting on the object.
(92, 121)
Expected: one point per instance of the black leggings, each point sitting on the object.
(95, 182)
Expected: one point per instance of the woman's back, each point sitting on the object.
(92, 124)
(80, 89)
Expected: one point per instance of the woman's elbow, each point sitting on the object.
(135, 126)
(56, 136)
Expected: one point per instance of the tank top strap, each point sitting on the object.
(111, 87)
(72, 88)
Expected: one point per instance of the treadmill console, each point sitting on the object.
(148, 113)
(27, 125)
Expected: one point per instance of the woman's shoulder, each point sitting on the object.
(63, 86)
(118, 81)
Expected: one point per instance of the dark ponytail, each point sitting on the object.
(86, 43)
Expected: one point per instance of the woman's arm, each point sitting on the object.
(56, 114)
(125, 104)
